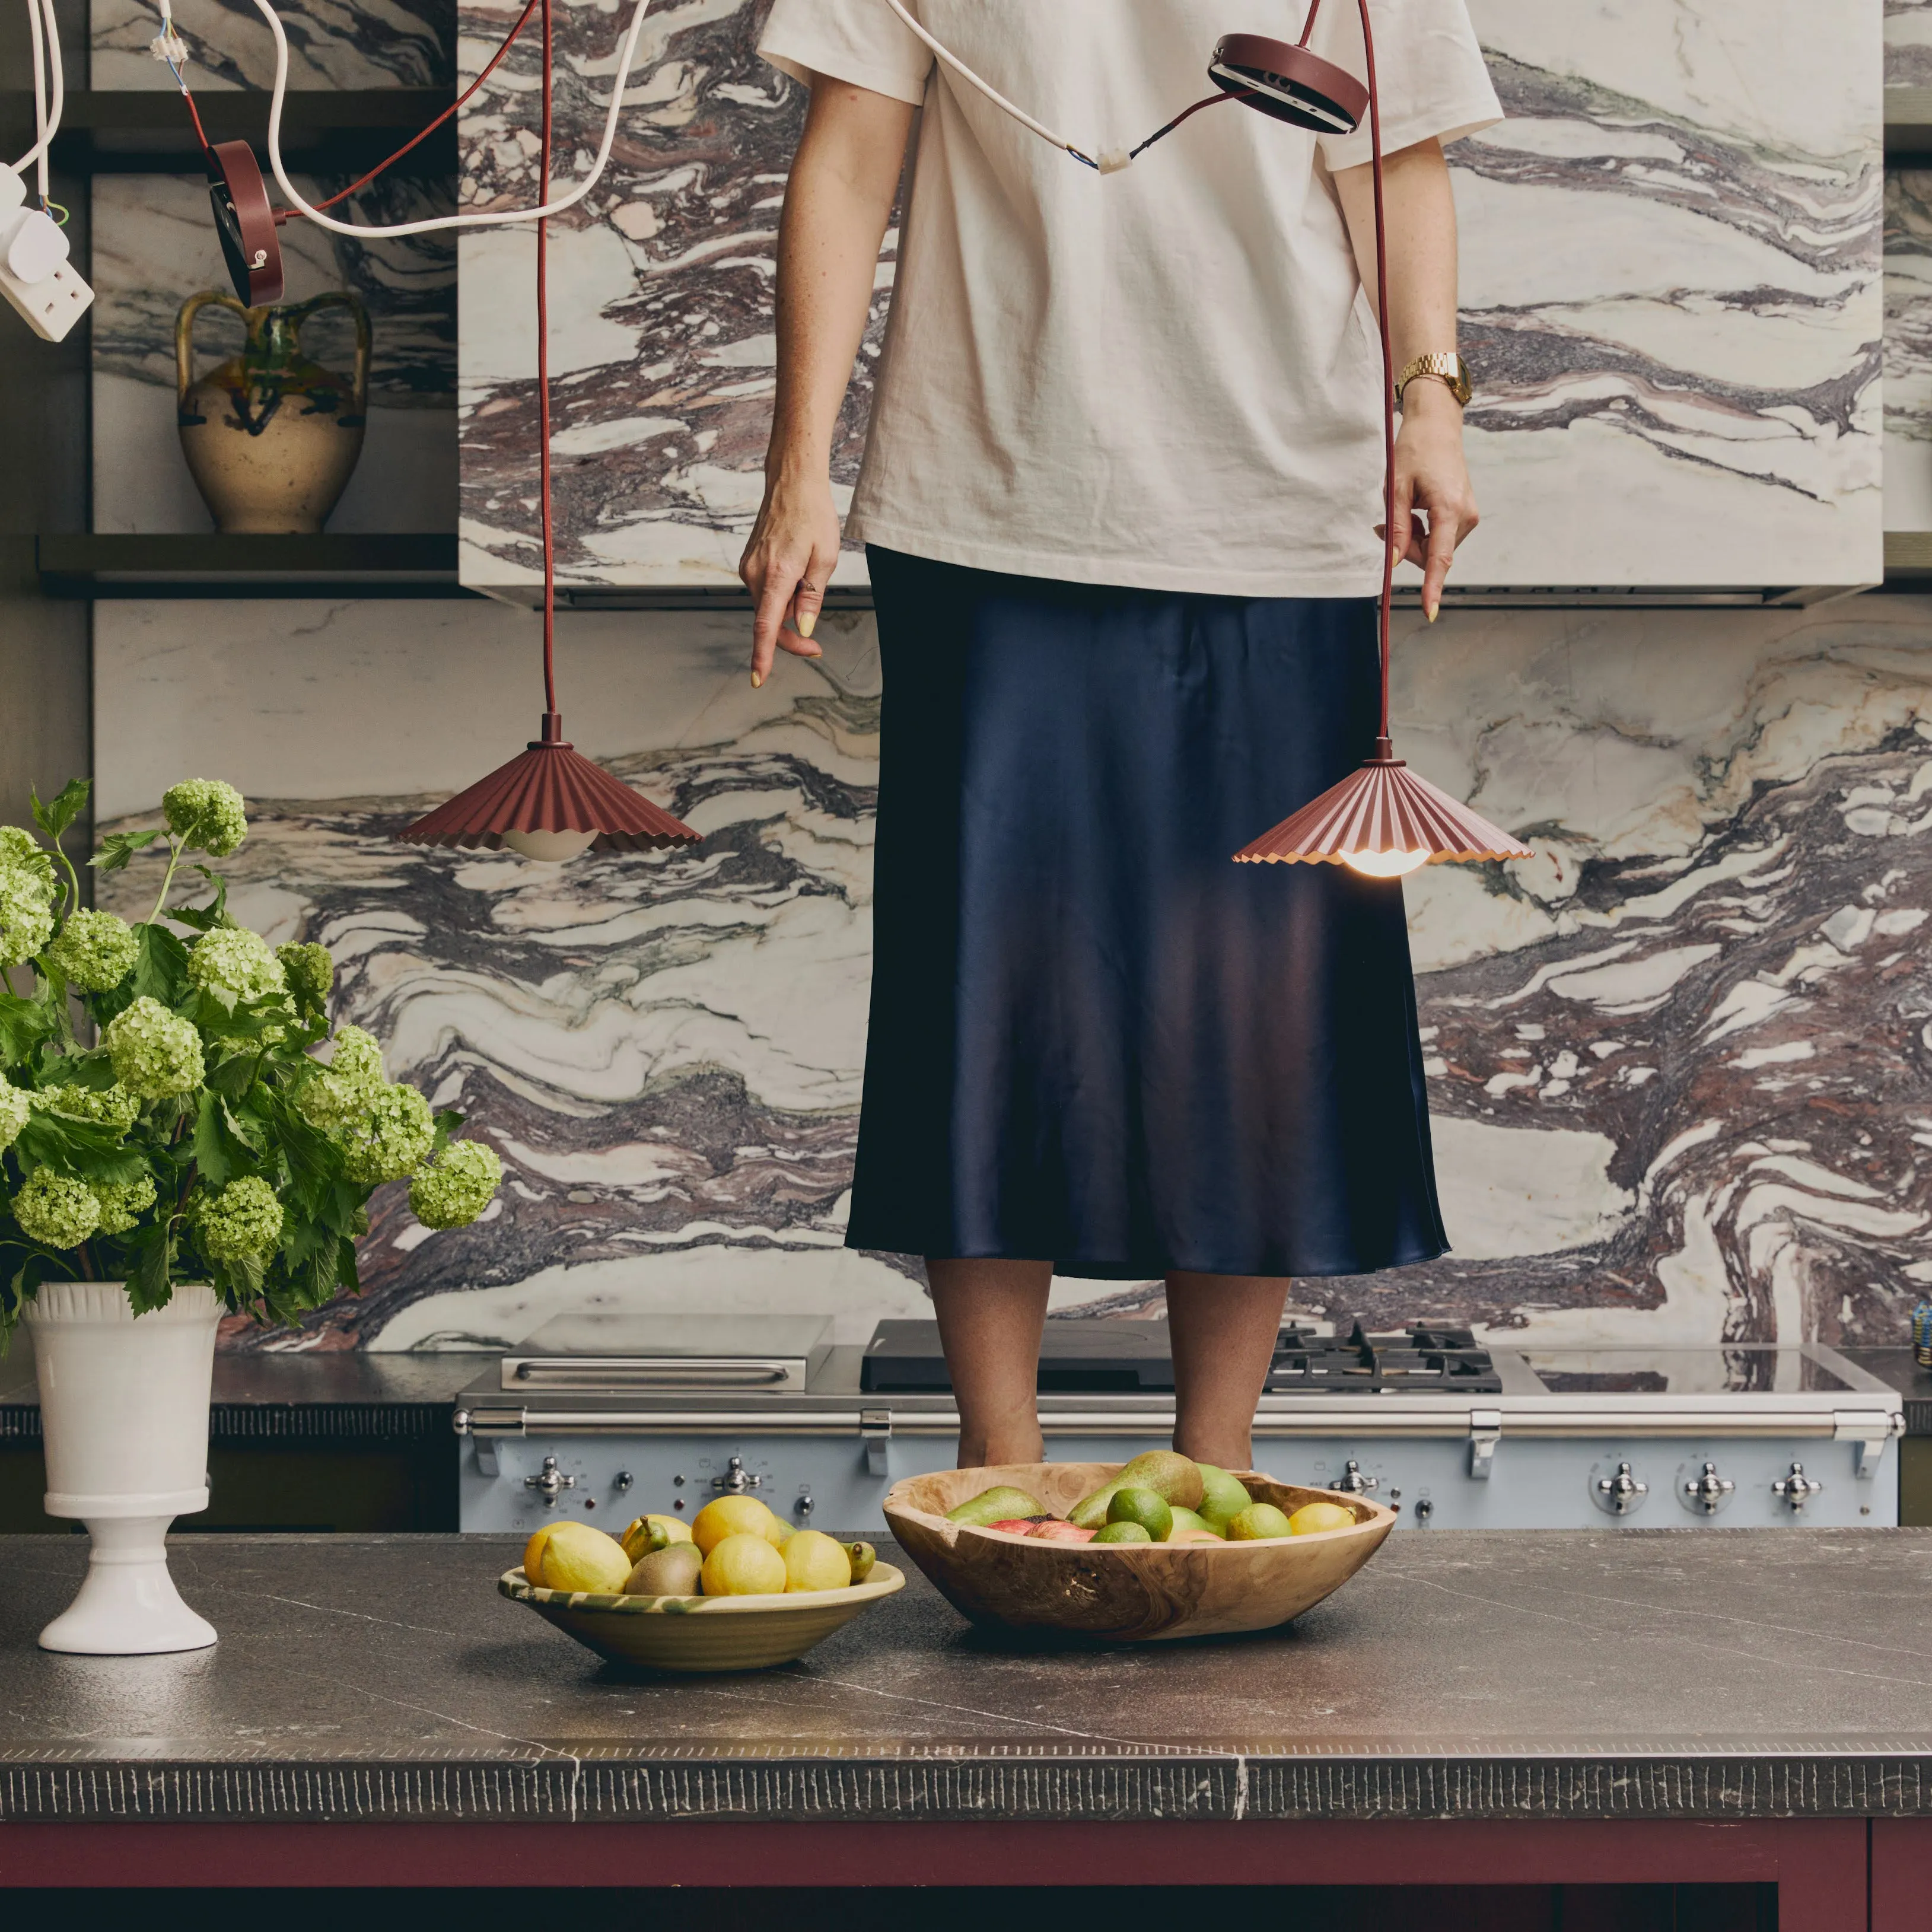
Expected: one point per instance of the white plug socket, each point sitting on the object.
(35, 275)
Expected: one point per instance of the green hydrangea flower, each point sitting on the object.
(55, 1210)
(20, 851)
(234, 964)
(156, 1054)
(243, 1219)
(392, 1137)
(333, 1096)
(122, 1203)
(15, 1104)
(207, 815)
(95, 950)
(310, 973)
(456, 1186)
(112, 1106)
(26, 925)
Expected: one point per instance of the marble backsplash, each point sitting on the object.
(332, 44)
(1678, 1060)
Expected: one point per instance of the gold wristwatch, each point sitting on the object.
(1446, 366)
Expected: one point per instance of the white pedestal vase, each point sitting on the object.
(124, 1418)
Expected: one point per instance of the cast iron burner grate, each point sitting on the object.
(1426, 1358)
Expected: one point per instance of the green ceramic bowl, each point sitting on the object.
(698, 1633)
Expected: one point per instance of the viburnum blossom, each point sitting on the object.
(122, 1203)
(391, 1138)
(235, 964)
(14, 1106)
(112, 1106)
(26, 924)
(237, 1221)
(95, 951)
(456, 1186)
(310, 973)
(207, 815)
(156, 1053)
(331, 1097)
(55, 1210)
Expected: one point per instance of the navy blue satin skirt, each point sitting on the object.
(1095, 1040)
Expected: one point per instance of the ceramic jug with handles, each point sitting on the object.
(270, 438)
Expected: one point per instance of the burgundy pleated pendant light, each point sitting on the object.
(550, 802)
(1383, 819)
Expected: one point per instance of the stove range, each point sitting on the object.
(616, 1413)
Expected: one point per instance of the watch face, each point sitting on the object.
(1288, 83)
(228, 231)
(244, 224)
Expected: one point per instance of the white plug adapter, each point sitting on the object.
(35, 275)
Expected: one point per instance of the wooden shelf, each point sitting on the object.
(129, 131)
(1908, 126)
(379, 565)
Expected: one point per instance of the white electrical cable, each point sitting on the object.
(992, 93)
(493, 219)
(47, 61)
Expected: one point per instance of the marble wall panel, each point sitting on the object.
(1672, 284)
(154, 247)
(1678, 1060)
(1908, 350)
(1908, 43)
(332, 44)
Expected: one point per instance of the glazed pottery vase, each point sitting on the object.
(270, 438)
(124, 1420)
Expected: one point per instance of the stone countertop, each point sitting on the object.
(1627, 1673)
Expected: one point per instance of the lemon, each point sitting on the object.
(652, 1532)
(533, 1551)
(732, 1515)
(813, 1562)
(742, 1565)
(1259, 1523)
(576, 1557)
(1313, 1517)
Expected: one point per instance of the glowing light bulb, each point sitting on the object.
(1384, 865)
(553, 847)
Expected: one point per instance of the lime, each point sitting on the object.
(1312, 1518)
(1143, 1507)
(1186, 1521)
(1122, 1532)
(1221, 1494)
(1259, 1523)
(743, 1565)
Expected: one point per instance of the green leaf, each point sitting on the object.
(151, 1283)
(62, 810)
(117, 847)
(448, 1120)
(161, 966)
(220, 1153)
(204, 919)
(24, 1023)
(86, 1149)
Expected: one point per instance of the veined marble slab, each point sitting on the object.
(1678, 1060)
(1908, 350)
(1908, 43)
(332, 44)
(153, 246)
(1672, 288)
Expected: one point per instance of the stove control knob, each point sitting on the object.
(1797, 1489)
(550, 1483)
(1424, 1509)
(736, 1478)
(1621, 1494)
(1352, 1480)
(623, 1479)
(1708, 1493)
(804, 1505)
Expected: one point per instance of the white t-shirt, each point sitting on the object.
(1166, 376)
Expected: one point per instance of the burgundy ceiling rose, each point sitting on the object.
(551, 802)
(1288, 83)
(246, 223)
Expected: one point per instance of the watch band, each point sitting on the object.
(1448, 368)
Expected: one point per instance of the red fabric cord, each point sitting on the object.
(456, 107)
(194, 114)
(1388, 356)
(543, 384)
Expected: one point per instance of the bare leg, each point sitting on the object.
(991, 1314)
(1224, 1328)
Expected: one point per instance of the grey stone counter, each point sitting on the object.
(1726, 1675)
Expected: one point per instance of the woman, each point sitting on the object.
(1121, 503)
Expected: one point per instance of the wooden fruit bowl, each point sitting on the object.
(1132, 1592)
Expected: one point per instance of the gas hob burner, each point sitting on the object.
(1426, 1358)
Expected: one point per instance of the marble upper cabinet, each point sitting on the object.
(1672, 288)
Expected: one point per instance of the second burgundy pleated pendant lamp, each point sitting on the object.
(550, 801)
(1383, 819)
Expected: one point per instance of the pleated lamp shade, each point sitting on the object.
(550, 802)
(1383, 819)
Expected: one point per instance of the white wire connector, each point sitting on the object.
(169, 46)
(1111, 161)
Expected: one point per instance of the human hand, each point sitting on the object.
(788, 560)
(1435, 505)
